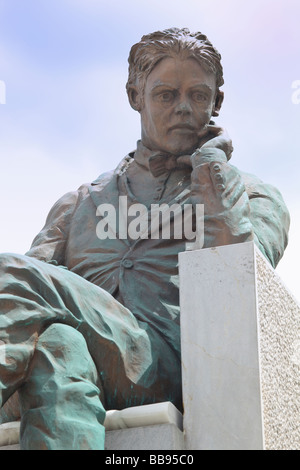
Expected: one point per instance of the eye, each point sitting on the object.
(166, 97)
(199, 97)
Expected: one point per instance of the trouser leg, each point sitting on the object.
(136, 366)
(33, 295)
(60, 404)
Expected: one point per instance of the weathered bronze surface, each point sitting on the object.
(90, 323)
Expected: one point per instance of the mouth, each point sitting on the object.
(183, 128)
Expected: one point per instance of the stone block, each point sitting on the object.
(9, 433)
(148, 427)
(157, 437)
(240, 330)
(12, 447)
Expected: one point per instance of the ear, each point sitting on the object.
(218, 103)
(134, 98)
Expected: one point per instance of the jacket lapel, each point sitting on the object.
(105, 190)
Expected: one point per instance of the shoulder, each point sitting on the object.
(105, 178)
(257, 188)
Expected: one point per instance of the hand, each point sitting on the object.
(217, 185)
(211, 137)
(220, 188)
(216, 137)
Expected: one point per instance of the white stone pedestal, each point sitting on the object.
(148, 427)
(240, 330)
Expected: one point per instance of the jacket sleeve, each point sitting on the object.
(269, 217)
(49, 244)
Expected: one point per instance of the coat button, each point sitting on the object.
(127, 263)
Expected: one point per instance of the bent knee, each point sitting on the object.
(62, 335)
(6, 258)
(13, 260)
(21, 266)
(67, 346)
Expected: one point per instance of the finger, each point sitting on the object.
(214, 130)
(216, 136)
(227, 182)
(207, 137)
(200, 178)
(222, 142)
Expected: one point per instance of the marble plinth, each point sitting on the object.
(148, 427)
(240, 330)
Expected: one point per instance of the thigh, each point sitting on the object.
(134, 363)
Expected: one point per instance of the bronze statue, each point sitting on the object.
(90, 315)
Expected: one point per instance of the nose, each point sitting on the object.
(183, 108)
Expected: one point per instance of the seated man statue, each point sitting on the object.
(89, 317)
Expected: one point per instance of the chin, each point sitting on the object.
(177, 148)
(183, 148)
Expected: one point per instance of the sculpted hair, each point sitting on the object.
(154, 47)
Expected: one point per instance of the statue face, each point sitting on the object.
(179, 100)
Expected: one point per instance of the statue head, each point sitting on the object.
(173, 42)
(174, 80)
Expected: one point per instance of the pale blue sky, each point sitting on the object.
(67, 119)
